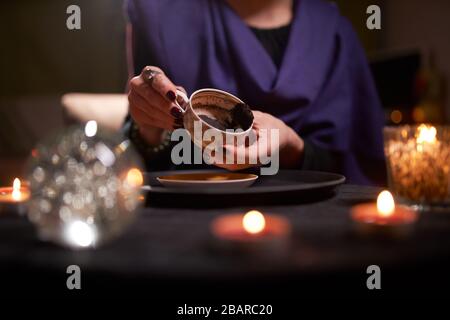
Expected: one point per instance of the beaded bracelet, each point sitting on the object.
(143, 147)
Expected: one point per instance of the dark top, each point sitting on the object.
(275, 42)
(314, 157)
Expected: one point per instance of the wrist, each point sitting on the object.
(293, 152)
(152, 144)
(152, 136)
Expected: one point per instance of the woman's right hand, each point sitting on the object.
(152, 98)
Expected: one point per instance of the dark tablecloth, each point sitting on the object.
(167, 252)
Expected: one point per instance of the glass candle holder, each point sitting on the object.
(418, 165)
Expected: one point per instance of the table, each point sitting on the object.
(166, 253)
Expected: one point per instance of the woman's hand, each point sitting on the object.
(289, 145)
(152, 98)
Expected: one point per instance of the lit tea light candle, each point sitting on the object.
(13, 198)
(254, 222)
(251, 233)
(383, 217)
(14, 194)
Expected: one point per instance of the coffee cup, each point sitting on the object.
(217, 110)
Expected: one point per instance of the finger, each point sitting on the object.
(138, 85)
(181, 101)
(251, 138)
(258, 119)
(257, 114)
(139, 101)
(160, 83)
(143, 119)
(182, 89)
(144, 113)
(241, 155)
(246, 140)
(149, 72)
(161, 104)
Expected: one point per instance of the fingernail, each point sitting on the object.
(174, 111)
(171, 95)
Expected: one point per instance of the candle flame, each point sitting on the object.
(385, 204)
(135, 178)
(16, 194)
(426, 134)
(254, 222)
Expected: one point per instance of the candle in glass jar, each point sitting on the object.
(384, 217)
(418, 161)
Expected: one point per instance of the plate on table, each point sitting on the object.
(286, 187)
(208, 180)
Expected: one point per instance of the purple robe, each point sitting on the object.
(323, 88)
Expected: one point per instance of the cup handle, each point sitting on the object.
(183, 106)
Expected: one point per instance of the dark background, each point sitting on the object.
(41, 59)
(40, 56)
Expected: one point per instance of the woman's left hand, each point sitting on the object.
(289, 145)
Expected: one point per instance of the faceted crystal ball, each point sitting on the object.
(85, 185)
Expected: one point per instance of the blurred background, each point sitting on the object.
(41, 61)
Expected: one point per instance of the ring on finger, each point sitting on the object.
(148, 74)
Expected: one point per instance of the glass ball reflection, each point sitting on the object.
(85, 185)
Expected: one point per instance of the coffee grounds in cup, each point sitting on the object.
(240, 117)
